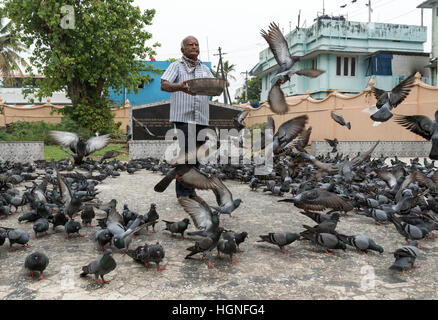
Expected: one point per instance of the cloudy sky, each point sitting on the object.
(234, 25)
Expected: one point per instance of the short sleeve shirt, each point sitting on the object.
(185, 107)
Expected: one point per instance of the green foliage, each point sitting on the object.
(254, 89)
(85, 47)
(39, 130)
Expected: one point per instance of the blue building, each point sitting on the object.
(147, 93)
(351, 53)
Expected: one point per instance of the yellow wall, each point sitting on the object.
(423, 100)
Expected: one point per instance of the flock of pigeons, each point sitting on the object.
(405, 196)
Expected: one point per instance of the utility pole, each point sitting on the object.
(221, 66)
(370, 10)
(246, 84)
(323, 7)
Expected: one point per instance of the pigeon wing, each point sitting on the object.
(199, 211)
(311, 73)
(420, 125)
(291, 129)
(400, 92)
(64, 189)
(223, 194)
(279, 47)
(96, 143)
(380, 96)
(68, 139)
(198, 180)
(277, 101)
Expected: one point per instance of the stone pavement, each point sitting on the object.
(261, 272)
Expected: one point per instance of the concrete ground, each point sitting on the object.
(261, 272)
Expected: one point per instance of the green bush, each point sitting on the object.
(39, 131)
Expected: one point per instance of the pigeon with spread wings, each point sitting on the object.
(388, 100)
(203, 217)
(424, 127)
(77, 145)
(280, 49)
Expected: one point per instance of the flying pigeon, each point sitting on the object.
(424, 127)
(388, 100)
(340, 119)
(77, 145)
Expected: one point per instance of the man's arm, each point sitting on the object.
(173, 87)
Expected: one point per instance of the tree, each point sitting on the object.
(254, 89)
(228, 69)
(85, 47)
(10, 60)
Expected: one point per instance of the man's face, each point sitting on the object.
(191, 48)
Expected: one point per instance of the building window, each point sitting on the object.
(346, 66)
(338, 66)
(315, 63)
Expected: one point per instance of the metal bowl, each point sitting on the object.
(206, 86)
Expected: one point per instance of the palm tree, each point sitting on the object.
(10, 60)
(228, 69)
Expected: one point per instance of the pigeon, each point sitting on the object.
(340, 119)
(405, 257)
(36, 262)
(3, 236)
(148, 253)
(72, 226)
(388, 100)
(319, 200)
(40, 226)
(326, 240)
(224, 198)
(203, 217)
(100, 267)
(280, 239)
(177, 227)
(424, 127)
(102, 238)
(151, 217)
(227, 245)
(58, 219)
(205, 245)
(287, 132)
(17, 236)
(409, 231)
(334, 144)
(108, 155)
(87, 215)
(319, 218)
(361, 243)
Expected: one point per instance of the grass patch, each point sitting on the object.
(55, 152)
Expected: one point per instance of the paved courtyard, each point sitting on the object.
(261, 272)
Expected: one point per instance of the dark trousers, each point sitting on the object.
(181, 190)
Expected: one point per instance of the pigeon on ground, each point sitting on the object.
(361, 243)
(227, 245)
(87, 215)
(240, 238)
(340, 119)
(280, 239)
(327, 240)
(388, 100)
(100, 267)
(17, 236)
(77, 145)
(148, 253)
(151, 217)
(177, 227)
(405, 257)
(58, 219)
(72, 226)
(36, 262)
(205, 245)
(424, 127)
(102, 238)
(318, 217)
(40, 226)
(409, 231)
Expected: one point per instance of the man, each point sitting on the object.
(188, 112)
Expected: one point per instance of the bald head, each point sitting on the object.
(190, 47)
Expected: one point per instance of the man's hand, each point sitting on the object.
(185, 88)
